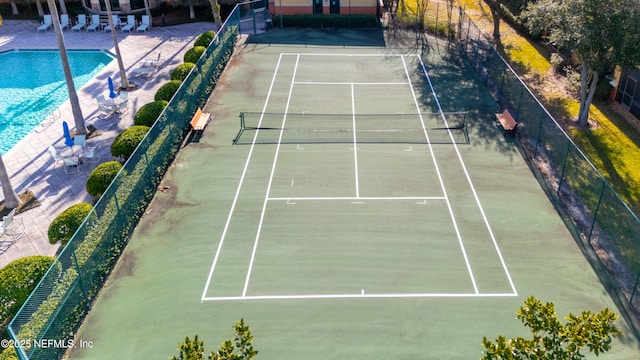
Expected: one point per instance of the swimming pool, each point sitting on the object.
(32, 86)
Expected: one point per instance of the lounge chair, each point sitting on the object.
(46, 23)
(95, 23)
(145, 25)
(64, 21)
(6, 225)
(155, 63)
(131, 23)
(144, 71)
(116, 23)
(81, 24)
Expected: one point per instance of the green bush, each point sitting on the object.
(17, 281)
(193, 55)
(205, 39)
(67, 222)
(101, 177)
(181, 71)
(327, 21)
(148, 113)
(125, 143)
(9, 354)
(167, 90)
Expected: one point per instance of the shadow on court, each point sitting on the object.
(321, 37)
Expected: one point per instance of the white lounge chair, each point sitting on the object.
(7, 224)
(145, 25)
(64, 21)
(81, 24)
(95, 23)
(116, 23)
(46, 23)
(131, 23)
(152, 63)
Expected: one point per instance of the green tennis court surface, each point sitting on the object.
(348, 203)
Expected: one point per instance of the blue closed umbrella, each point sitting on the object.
(112, 93)
(68, 140)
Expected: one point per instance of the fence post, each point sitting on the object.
(75, 263)
(564, 167)
(595, 213)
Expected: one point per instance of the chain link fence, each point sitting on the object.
(602, 223)
(48, 321)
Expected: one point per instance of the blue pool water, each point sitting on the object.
(32, 86)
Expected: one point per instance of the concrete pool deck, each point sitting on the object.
(30, 166)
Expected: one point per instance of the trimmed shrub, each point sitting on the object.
(327, 21)
(125, 143)
(167, 90)
(101, 177)
(193, 55)
(9, 354)
(67, 222)
(148, 113)
(205, 39)
(181, 71)
(17, 281)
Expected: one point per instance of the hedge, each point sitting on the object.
(193, 55)
(181, 71)
(148, 113)
(205, 39)
(327, 21)
(167, 90)
(101, 177)
(67, 222)
(17, 281)
(125, 143)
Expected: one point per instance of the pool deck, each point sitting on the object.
(30, 166)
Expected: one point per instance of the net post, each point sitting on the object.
(235, 140)
(464, 126)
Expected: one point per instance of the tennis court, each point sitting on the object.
(348, 203)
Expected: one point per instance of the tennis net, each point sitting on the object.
(294, 128)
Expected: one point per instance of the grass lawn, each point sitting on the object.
(611, 145)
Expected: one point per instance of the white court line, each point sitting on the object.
(361, 295)
(240, 183)
(347, 198)
(444, 190)
(348, 83)
(355, 140)
(466, 173)
(347, 54)
(273, 170)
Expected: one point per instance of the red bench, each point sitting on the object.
(507, 122)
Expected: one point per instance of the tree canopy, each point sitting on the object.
(551, 339)
(601, 33)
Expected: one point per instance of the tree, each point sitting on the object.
(215, 10)
(243, 345)
(81, 129)
(601, 33)
(11, 199)
(124, 82)
(190, 350)
(494, 7)
(553, 340)
(240, 349)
